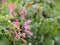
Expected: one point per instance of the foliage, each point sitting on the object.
(30, 22)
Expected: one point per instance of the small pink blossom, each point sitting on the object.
(4, 2)
(17, 23)
(23, 13)
(12, 7)
(30, 33)
(23, 35)
(14, 13)
(11, 16)
(10, 31)
(26, 31)
(27, 22)
(16, 36)
(27, 27)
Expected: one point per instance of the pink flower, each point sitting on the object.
(12, 7)
(23, 35)
(16, 36)
(26, 31)
(10, 31)
(27, 22)
(14, 13)
(27, 27)
(11, 16)
(23, 13)
(30, 33)
(17, 23)
(4, 2)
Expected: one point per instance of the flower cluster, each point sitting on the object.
(27, 27)
(18, 34)
(12, 6)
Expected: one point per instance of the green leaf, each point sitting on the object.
(4, 41)
(17, 43)
(1, 28)
(48, 41)
(2, 18)
(57, 38)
